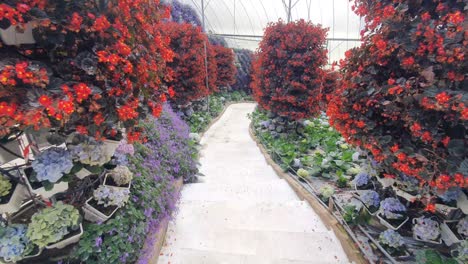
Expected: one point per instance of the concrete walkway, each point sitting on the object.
(242, 212)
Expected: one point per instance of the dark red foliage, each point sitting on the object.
(188, 66)
(225, 66)
(404, 96)
(287, 73)
(329, 86)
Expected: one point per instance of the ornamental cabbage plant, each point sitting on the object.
(287, 74)
(52, 164)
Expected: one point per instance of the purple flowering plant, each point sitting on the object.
(392, 208)
(156, 165)
(371, 199)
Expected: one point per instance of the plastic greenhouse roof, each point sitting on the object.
(245, 18)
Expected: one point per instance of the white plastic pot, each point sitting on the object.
(110, 146)
(112, 186)
(68, 241)
(94, 215)
(384, 222)
(19, 194)
(83, 173)
(11, 36)
(58, 188)
(447, 234)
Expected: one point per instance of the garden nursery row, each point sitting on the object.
(103, 103)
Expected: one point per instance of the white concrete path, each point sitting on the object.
(242, 212)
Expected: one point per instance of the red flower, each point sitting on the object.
(157, 110)
(101, 23)
(442, 98)
(171, 92)
(407, 62)
(82, 91)
(98, 119)
(127, 112)
(82, 130)
(430, 208)
(44, 100)
(66, 106)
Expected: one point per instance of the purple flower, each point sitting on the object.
(392, 208)
(361, 179)
(98, 242)
(371, 198)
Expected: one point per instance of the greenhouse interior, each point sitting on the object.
(233, 131)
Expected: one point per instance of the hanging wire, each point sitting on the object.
(264, 10)
(248, 17)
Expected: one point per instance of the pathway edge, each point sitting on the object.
(351, 250)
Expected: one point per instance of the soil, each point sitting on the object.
(368, 186)
(395, 222)
(34, 185)
(105, 210)
(6, 199)
(453, 227)
(110, 181)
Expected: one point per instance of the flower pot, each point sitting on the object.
(110, 146)
(386, 182)
(67, 241)
(438, 241)
(11, 36)
(92, 214)
(58, 188)
(401, 254)
(369, 186)
(36, 252)
(449, 235)
(393, 226)
(13, 204)
(407, 196)
(110, 183)
(357, 195)
(83, 173)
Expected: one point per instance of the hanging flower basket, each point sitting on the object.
(11, 202)
(15, 36)
(97, 213)
(69, 239)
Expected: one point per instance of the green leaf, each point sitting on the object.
(456, 147)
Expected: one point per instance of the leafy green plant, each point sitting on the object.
(5, 186)
(342, 182)
(430, 256)
(302, 173)
(51, 224)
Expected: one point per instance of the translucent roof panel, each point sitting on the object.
(247, 18)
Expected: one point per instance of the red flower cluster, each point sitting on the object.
(188, 78)
(226, 70)
(110, 67)
(287, 74)
(403, 97)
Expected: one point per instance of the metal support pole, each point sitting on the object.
(206, 55)
(289, 11)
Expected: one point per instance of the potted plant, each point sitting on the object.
(371, 201)
(12, 193)
(119, 177)
(392, 213)
(104, 203)
(362, 181)
(426, 230)
(47, 171)
(55, 227)
(89, 155)
(460, 253)
(393, 243)
(326, 192)
(454, 231)
(112, 141)
(15, 245)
